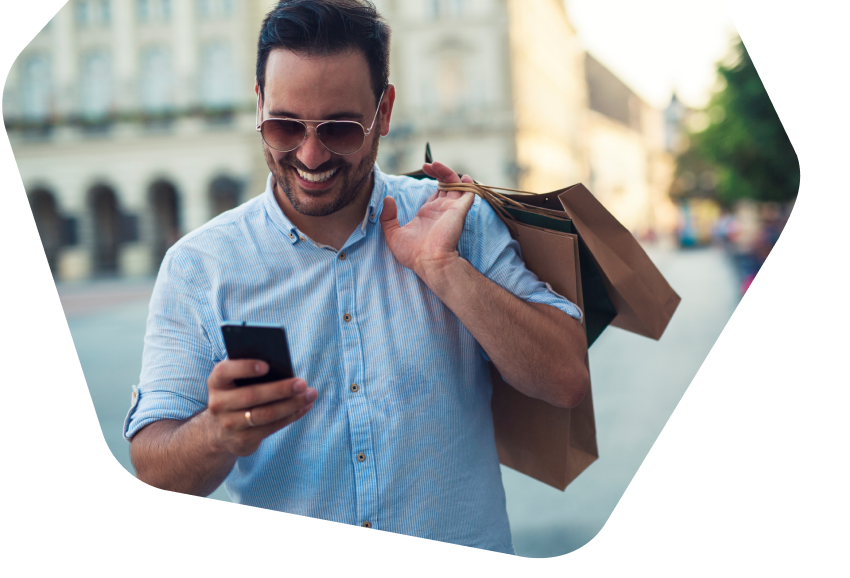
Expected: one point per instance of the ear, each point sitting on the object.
(387, 109)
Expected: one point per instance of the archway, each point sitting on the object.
(48, 223)
(224, 194)
(106, 222)
(165, 209)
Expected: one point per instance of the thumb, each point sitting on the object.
(389, 216)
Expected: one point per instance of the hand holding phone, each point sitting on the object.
(263, 341)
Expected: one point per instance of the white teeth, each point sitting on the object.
(317, 177)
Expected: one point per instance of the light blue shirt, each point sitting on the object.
(421, 415)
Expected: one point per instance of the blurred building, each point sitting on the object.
(496, 86)
(132, 121)
(631, 168)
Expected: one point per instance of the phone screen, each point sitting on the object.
(261, 341)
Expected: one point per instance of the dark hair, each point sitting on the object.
(327, 27)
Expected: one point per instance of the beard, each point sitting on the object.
(350, 181)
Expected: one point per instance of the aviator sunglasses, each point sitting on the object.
(342, 137)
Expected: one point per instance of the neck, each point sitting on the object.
(333, 229)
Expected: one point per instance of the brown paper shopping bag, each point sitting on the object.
(644, 300)
(548, 443)
(599, 266)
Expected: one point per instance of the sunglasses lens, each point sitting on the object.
(283, 135)
(341, 137)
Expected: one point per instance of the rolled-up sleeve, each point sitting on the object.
(178, 353)
(488, 246)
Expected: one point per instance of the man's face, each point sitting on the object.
(316, 181)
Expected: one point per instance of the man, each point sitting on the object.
(393, 296)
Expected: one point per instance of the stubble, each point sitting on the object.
(352, 180)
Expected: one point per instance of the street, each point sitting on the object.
(636, 384)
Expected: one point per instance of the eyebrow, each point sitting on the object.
(335, 116)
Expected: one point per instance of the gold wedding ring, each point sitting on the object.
(249, 420)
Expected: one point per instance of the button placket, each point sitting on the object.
(361, 441)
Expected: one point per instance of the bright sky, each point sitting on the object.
(657, 46)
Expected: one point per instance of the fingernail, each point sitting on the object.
(260, 367)
(299, 386)
(312, 395)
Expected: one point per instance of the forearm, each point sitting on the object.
(181, 456)
(537, 348)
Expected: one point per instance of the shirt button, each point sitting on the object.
(342, 256)
(302, 238)
(367, 524)
(291, 236)
(347, 317)
(354, 388)
(361, 457)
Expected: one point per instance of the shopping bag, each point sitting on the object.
(569, 240)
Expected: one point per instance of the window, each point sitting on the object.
(105, 12)
(217, 79)
(96, 85)
(92, 12)
(35, 89)
(156, 83)
(148, 11)
(81, 13)
(451, 83)
(215, 9)
(143, 10)
(445, 8)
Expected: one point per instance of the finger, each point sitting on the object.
(266, 430)
(270, 413)
(389, 216)
(224, 372)
(249, 439)
(441, 172)
(426, 168)
(250, 396)
(467, 179)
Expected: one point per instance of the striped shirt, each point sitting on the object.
(411, 449)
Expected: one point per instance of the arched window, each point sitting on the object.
(225, 193)
(96, 85)
(217, 80)
(35, 88)
(165, 209)
(106, 224)
(156, 80)
(48, 223)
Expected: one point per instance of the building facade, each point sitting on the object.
(132, 121)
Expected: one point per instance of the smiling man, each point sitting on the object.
(394, 295)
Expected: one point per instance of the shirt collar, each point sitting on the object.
(373, 211)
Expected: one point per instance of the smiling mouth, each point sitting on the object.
(316, 177)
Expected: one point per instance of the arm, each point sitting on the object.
(194, 456)
(537, 348)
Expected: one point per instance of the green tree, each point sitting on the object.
(745, 142)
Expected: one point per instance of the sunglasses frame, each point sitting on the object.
(317, 124)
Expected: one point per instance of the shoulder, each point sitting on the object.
(221, 239)
(410, 194)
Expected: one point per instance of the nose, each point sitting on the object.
(312, 152)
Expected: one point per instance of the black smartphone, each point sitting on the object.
(263, 341)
